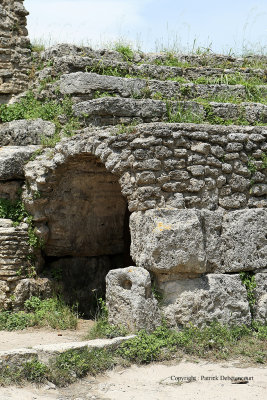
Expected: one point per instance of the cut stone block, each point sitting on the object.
(168, 241)
(181, 243)
(260, 308)
(130, 300)
(214, 297)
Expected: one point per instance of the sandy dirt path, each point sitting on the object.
(180, 380)
(33, 336)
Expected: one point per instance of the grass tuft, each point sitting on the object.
(50, 312)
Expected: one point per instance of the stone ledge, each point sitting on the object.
(45, 352)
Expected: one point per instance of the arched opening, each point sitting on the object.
(88, 222)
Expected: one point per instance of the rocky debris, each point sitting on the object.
(214, 297)
(183, 243)
(260, 293)
(39, 287)
(130, 300)
(13, 159)
(25, 132)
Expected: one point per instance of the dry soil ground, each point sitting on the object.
(201, 380)
(33, 337)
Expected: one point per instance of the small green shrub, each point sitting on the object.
(34, 371)
(125, 50)
(50, 312)
(50, 110)
(10, 321)
(248, 279)
(73, 364)
(102, 328)
(214, 341)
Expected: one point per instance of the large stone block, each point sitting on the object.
(168, 241)
(130, 300)
(214, 297)
(39, 287)
(12, 160)
(260, 307)
(244, 241)
(25, 132)
(188, 242)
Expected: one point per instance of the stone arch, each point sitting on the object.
(82, 216)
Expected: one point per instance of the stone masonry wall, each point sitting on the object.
(14, 49)
(171, 165)
(185, 203)
(197, 194)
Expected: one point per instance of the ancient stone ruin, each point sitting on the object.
(15, 52)
(159, 176)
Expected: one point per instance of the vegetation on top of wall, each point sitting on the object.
(125, 50)
(50, 110)
(15, 210)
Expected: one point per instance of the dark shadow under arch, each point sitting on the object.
(88, 222)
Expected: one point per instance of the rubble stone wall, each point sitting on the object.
(14, 49)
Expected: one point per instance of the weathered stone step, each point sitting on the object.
(85, 85)
(12, 160)
(115, 110)
(69, 64)
(25, 132)
(167, 58)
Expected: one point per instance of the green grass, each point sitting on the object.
(185, 114)
(214, 342)
(50, 110)
(102, 328)
(125, 50)
(211, 342)
(50, 312)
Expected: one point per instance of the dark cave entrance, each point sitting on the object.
(88, 221)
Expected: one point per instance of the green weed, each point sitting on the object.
(125, 50)
(248, 279)
(102, 328)
(31, 108)
(50, 312)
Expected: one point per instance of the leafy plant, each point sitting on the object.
(125, 50)
(34, 371)
(50, 312)
(50, 110)
(248, 279)
(102, 328)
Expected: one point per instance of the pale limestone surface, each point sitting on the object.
(214, 297)
(130, 300)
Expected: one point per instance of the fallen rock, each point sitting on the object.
(39, 287)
